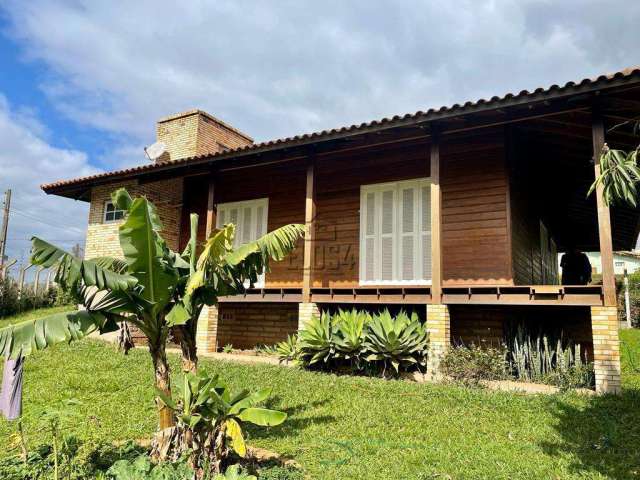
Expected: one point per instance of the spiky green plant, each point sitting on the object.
(401, 342)
(287, 350)
(316, 340)
(350, 328)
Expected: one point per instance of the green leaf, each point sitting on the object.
(70, 271)
(178, 315)
(144, 251)
(262, 416)
(27, 337)
(249, 400)
(167, 400)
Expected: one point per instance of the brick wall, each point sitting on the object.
(102, 238)
(244, 325)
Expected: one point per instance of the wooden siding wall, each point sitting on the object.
(475, 208)
(283, 184)
(525, 221)
(338, 182)
(475, 229)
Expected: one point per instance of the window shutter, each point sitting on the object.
(408, 228)
(369, 228)
(425, 230)
(220, 217)
(261, 218)
(387, 234)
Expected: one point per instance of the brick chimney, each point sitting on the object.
(196, 132)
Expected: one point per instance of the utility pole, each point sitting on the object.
(5, 227)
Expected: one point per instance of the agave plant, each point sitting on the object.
(401, 342)
(287, 350)
(349, 334)
(210, 418)
(316, 340)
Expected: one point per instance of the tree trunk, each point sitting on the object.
(162, 381)
(186, 338)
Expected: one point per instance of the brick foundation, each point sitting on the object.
(438, 326)
(606, 349)
(245, 325)
(306, 311)
(207, 332)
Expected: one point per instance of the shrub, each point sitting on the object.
(12, 302)
(469, 364)
(547, 358)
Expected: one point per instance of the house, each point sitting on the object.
(457, 213)
(629, 261)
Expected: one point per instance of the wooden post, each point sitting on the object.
(436, 222)
(604, 217)
(211, 213)
(309, 221)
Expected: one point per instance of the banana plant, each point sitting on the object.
(153, 287)
(210, 418)
(221, 270)
(619, 176)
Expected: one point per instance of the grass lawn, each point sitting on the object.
(359, 428)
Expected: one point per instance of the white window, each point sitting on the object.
(395, 233)
(111, 213)
(250, 219)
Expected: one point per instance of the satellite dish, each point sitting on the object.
(155, 150)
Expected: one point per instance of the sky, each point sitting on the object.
(83, 82)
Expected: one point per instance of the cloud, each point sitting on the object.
(284, 67)
(26, 161)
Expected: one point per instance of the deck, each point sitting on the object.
(458, 295)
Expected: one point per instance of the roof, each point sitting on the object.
(540, 94)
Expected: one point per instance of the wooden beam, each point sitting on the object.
(436, 221)
(309, 221)
(211, 213)
(604, 217)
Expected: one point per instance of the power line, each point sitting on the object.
(39, 220)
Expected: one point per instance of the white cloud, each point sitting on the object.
(26, 161)
(283, 67)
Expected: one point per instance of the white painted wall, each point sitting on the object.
(619, 263)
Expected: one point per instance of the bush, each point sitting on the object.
(547, 358)
(11, 302)
(359, 341)
(470, 364)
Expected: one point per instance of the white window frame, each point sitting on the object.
(417, 183)
(254, 205)
(104, 212)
